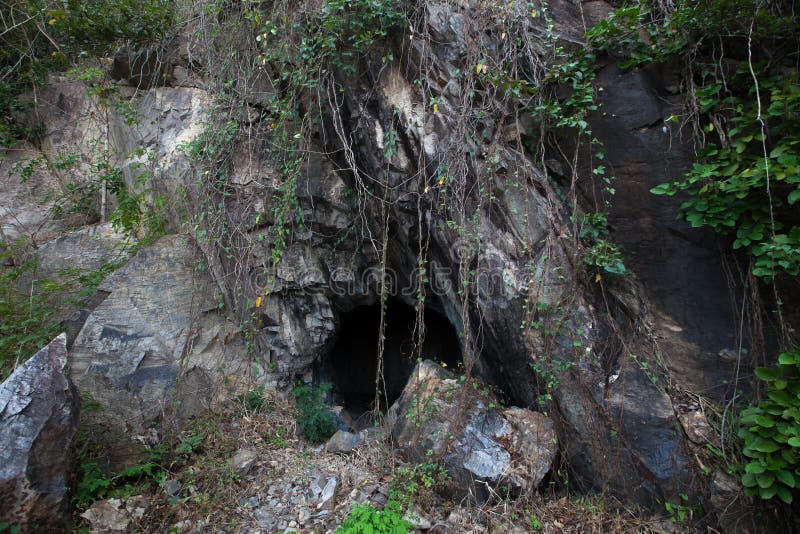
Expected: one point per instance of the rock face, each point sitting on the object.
(157, 326)
(39, 412)
(479, 445)
(473, 227)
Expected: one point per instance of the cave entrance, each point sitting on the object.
(352, 362)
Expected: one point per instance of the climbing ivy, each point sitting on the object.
(744, 107)
(745, 187)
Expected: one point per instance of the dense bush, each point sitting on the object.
(771, 433)
(42, 36)
(314, 418)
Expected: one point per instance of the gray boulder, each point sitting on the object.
(155, 346)
(39, 412)
(479, 445)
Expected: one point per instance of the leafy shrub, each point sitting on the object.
(729, 187)
(745, 114)
(97, 482)
(42, 36)
(366, 519)
(418, 482)
(314, 418)
(771, 433)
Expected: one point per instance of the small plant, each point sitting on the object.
(680, 513)
(603, 257)
(314, 419)
(366, 519)
(255, 401)
(418, 482)
(771, 433)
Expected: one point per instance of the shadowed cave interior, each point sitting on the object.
(352, 363)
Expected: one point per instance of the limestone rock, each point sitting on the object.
(159, 314)
(516, 446)
(696, 426)
(343, 441)
(242, 462)
(323, 491)
(86, 249)
(39, 411)
(115, 515)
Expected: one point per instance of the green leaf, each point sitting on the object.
(766, 374)
(784, 494)
(765, 445)
(766, 422)
(768, 492)
(664, 189)
(786, 477)
(755, 468)
(789, 358)
(749, 480)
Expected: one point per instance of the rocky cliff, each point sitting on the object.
(410, 175)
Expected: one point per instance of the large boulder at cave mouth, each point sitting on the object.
(479, 445)
(39, 411)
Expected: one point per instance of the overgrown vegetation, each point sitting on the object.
(31, 308)
(744, 110)
(366, 519)
(314, 418)
(771, 433)
(98, 482)
(40, 37)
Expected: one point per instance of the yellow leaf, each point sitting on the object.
(52, 22)
(485, 68)
(258, 302)
(534, 13)
(441, 180)
(597, 278)
(436, 108)
(478, 68)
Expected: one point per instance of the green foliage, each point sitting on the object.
(38, 37)
(366, 519)
(94, 485)
(682, 512)
(5, 526)
(603, 255)
(255, 401)
(728, 186)
(314, 419)
(332, 38)
(418, 482)
(746, 115)
(97, 482)
(30, 307)
(771, 433)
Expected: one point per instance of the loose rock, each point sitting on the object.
(242, 462)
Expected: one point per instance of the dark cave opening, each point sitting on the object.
(352, 363)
